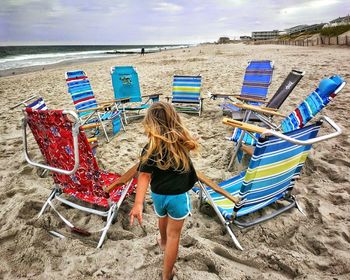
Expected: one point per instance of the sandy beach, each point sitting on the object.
(290, 246)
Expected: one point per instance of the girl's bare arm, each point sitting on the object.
(142, 185)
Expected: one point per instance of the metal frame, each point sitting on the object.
(24, 102)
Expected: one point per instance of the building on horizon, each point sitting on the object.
(339, 21)
(265, 35)
(304, 28)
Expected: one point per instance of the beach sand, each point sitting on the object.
(290, 246)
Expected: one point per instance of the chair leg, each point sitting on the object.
(239, 142)
(297, 205)
(51, 196)
(103, 127)
(111, 214)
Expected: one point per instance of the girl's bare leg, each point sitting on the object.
(173, 232)
(162, 224)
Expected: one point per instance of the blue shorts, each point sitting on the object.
(177, 206)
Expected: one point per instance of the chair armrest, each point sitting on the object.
(244, 98)
(211, 184)
(259, 109)
(245, 126)
(119, 100)
(90, 125)
(125, 178)
(151, 95)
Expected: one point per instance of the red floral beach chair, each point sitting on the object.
(74, 168)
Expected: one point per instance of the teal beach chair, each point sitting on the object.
(276, 163)
(309, 108)
(125, 82)
(186, 94)
(89, 111)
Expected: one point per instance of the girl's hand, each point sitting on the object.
(136, 212)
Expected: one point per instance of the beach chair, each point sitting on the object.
(73, 167)
(275, 165)
(256, 82)
(186, 94)
(89, 111)
(300, 116)
(125, 82)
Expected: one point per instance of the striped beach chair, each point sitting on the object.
(77, 178)
(125, 82)
(186, 94)
(309, 108)
(89, 111)
(256, 82)
(276, 163)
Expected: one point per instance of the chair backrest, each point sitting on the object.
(81, 92)
(313, 104)
(285, 89)
(257, 78)
(186, 89)
(273, 167)
(125, 82)
(38, 104)
(52, 130)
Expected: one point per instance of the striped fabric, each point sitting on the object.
(257, 79)
(81, 92)
(186, 89)
(38, 104)
(312, 105)
(270, 174)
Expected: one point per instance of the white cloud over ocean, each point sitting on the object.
(154, 21)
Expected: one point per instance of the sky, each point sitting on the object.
(123, 22)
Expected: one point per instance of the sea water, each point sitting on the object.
(12, 57)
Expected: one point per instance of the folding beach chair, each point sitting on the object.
(257, 79)
(312, 105)
(186, 95)
(39, 104)
(276, 163)
(125, 82)
(89, 111)
(73, 167)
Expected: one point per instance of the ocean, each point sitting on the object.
(12, 57)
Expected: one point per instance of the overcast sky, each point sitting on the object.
(154, 21)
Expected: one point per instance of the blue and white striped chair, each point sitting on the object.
(256, 82)
(186, 95)
(89, 111)
(273, 168)
(309, 108)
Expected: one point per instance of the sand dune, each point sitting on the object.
(291, 246)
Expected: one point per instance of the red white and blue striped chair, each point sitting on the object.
(298, 118)
(89, 111)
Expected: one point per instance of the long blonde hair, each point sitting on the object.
(169, 141)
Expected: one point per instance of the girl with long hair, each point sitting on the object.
(165, 164)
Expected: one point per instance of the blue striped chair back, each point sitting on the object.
(125, 82)
(187, 89)
(257, 79)
(81, 92)
(38, 104)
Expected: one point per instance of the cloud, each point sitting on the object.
(167, 7)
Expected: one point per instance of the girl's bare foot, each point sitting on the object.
(161, 244)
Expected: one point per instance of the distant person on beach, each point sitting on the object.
(165, 164)
(143, 51)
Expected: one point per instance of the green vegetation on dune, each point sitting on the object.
(335, 31)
